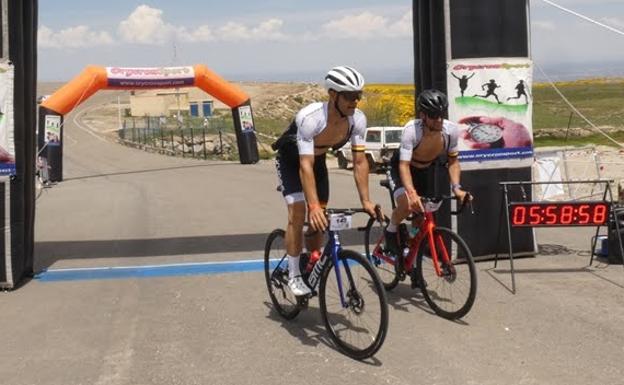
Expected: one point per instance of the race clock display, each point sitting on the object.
(541, 214)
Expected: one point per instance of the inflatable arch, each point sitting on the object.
(95, 78)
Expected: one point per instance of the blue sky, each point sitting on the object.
(295, 39)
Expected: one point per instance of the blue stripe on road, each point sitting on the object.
(172, 270)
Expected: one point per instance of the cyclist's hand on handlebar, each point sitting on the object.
(462, 195)
(317, 218)
(415, 202)
(372, 209)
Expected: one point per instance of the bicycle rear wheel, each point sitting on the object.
(383, 262)
(451, 294)
(360, 327)
(276, 275)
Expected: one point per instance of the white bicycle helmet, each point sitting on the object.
(343, 78)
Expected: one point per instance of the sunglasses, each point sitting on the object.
(431, 115)
(351, 96)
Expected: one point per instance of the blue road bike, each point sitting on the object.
(352, 298)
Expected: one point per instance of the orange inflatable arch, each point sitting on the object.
(94, 78)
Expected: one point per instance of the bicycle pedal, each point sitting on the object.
(302, 301)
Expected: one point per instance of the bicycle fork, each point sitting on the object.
(335, 250)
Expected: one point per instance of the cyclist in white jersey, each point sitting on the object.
(422, 142)
(301, 167)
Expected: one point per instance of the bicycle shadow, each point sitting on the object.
(403, 296)
(308, 328)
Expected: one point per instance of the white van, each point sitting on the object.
(381, 142)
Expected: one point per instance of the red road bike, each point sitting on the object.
(437, 259)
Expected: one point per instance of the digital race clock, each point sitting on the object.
(531, 214)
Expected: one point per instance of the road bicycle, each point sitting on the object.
(437, 259)
(352, 299)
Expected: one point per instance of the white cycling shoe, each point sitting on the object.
(298, 286)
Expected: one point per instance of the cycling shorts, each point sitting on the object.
(287, 165)
(422, 178)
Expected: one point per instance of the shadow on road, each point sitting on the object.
(48, 252)
(149, 170)
(310, 331)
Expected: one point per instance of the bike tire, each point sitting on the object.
(373, 239)
(358, 279)
(276, 276)
(452, 295)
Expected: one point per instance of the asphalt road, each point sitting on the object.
(120, 206)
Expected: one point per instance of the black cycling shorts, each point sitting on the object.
(287, 165)
(423, 178)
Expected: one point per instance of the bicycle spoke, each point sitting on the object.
(452, 293)
(358, 329)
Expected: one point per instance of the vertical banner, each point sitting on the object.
(491, 99)
(246, 118)
(7, 125)
(52, 129)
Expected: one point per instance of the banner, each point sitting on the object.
(53, 130)
(246, 118)
(7, 140)
(491, 100)
(150, 77)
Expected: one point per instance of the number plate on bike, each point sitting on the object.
(339, 222)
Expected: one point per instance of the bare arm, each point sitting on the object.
(316, 216)
(454, 171)
(360, 174)
(406, 179)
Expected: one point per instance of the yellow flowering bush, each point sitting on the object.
(388, 104)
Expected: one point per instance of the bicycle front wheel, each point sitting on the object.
(451, 292)
(382, 261)
(276, 275)
(359, 326)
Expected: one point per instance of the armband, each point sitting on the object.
(455, 185)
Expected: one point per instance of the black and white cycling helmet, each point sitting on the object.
(343, 78)
(432, 102)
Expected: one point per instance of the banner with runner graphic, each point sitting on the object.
(7, 139)
(491, 99)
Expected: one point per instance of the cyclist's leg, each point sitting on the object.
(321, 178)
(287, 165)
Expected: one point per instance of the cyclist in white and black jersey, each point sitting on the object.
(301, 167)
(423, 141)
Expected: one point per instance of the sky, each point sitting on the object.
(296, 40)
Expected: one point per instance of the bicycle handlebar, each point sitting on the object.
(466, 201)
(346, 211)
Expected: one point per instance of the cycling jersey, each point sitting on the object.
(413, 133)
(422, 178)
(298, 139)
(312, 120)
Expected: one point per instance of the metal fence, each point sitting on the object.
(572, 164)
(207, 138)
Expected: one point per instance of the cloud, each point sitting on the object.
(145, 25)
(368, 25)
(73, 37)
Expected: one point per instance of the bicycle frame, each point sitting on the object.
(331, 250)
(426, 230)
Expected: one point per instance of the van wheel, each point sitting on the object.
(342, 161)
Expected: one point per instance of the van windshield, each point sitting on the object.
(373, 136)
(393, 136)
